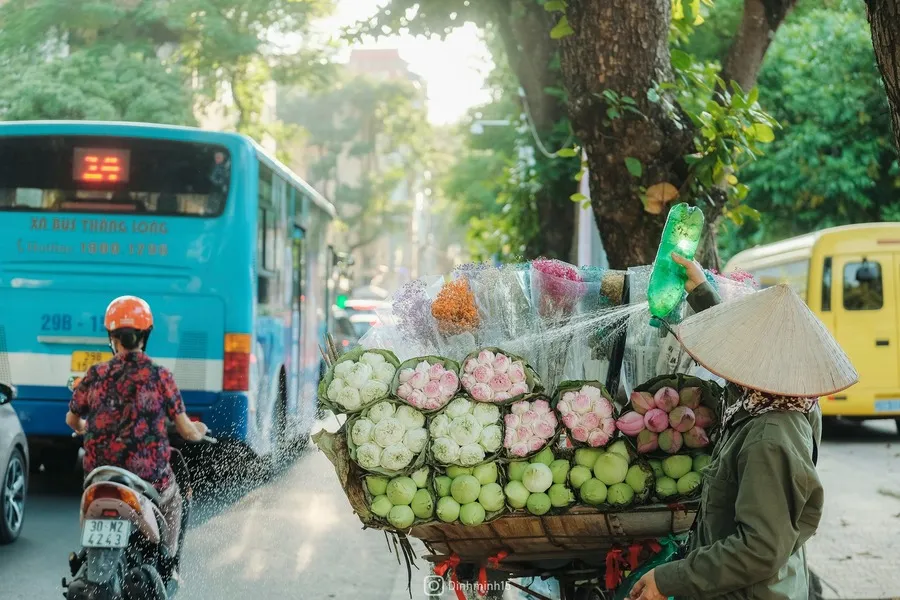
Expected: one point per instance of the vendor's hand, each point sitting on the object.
(694, 272)
(201, 428)
(646, 589)
(82, 428)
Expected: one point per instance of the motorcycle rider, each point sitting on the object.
(121, 407)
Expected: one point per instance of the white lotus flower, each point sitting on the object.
(440, 426)
(373, 359)
(362, 431)
(349, 398)
(465, 430)
(359, 375)
(388, 431)
(445, 450)
(458, 407)
(380, 411)
(385, 372)
(368, 456)
(343, 368)
(486, 414)
(415, 439)
(471, 454)
(396, 457)
(409, 417)
(491, 438)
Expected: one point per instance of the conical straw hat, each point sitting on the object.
(769, 341)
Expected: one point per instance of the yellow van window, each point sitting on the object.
(863, 288)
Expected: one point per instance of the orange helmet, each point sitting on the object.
(128, 312)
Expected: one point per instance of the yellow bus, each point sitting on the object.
(849, 279)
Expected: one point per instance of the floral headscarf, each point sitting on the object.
(758, 403)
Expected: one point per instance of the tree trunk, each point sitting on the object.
(884, 17)
(622, 46)
(761, 20)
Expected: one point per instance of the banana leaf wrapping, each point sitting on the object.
(383, 522)
(334, 447)
(550, 442)
(531, 376)
(354, 356)
(574, 386)
(558, 454)
(432, 459)
(450, 365)
(417, 461)
(488, 517)
(642, 498)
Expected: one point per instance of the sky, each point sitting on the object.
(453, 69)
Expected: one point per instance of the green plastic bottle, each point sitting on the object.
(684, 227)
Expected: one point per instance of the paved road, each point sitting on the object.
(295, 537)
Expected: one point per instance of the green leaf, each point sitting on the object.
(681, 60)
(611, 95)
(763, 133)
(753, 96)
(634, 166)
(653, 95)
(567, 153)
(555, 5)
(579, 197)
(613, 113)
(562, 29)
(628, 100)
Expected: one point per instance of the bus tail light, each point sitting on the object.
(236, 372)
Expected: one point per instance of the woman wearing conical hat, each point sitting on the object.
(762, 499)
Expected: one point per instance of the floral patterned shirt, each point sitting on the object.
(125, 402)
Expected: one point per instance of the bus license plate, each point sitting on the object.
(887, 406)
(105, 533)
(82, 361)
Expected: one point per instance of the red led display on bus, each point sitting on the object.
(101, 165)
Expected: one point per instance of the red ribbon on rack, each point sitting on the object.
(494, 562)
(614, 563)
(634, 552)
(450, 564)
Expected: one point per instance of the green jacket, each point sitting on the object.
(761, 501)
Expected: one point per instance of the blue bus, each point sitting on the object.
(229, 247)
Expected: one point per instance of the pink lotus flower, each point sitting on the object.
(608, 426)
(535, 444)
(670, 441)
(519, 449)
(423, 366)
(541, 407)
(656, 420)
(483, 373)
(550, 419)
(512, 421)
(434, 403)
(569, 397)
(603, 408)
(690, 397)
(449, 383)
(681, 419)
(590, 420)
(416, 398)
(518, 389)
(571, 420)
(544, 430)
(468, 381)
(500, 383)
(696, 438)
(486, 357)
(642, 402)
(647, 441)
(529, 417)
(482, 392)
(704, 417)
(516, 372)
(564, 407)
(520, 408)
(524, 433)
(502, 396)
(419, 380)
(436, 371)
(582, 404)
(666, 399)
(432, 389)
(501, 363)
(631, 423)
(509, 438)
(404, 390)
(597, 438)
(470, 365)
(580, 433)
(406, 375)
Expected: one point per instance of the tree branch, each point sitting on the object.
(884, 18)
(761, 20)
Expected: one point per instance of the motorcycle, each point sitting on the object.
(124, 552)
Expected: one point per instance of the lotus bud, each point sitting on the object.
(529, 417)
(518, 389)
(501, 363)
(603, 408)
(436, 371)
(571, 420)
(544, 430)
(486, 357)
(580, 433)
(502, 396)
(482, 392)
(433, 403)
(696, 438)
(468, 381)
(670, 441)
(449, 383)
(520, 408)
(541, 407)
(432, 389)
(582, 403)
(609, 426)
(419, 380)
(647, 441)
(631, 423)
(509, 438)
(597, 438)
(550, 419)
(516, 372)
(569, 397)
(483, 373)
(519, 449)
(470, 365)
(690, 397)
(511, 420)
(666, 399)
(416, 398)
(563, 407)
(704, 417)
(590, 420)
(642, 402)
(536, 443)
(404, 390)
(406, 375)
(656, 420)
(501, 383)
(423, 366)
(523, 433)
(681, 419)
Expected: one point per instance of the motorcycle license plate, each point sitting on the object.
(82, 360)
(105, 533)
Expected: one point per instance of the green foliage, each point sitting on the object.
(834, 162)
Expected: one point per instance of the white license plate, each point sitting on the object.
(887, 406)
(105, 533)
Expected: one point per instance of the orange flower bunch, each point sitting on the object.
(454, 308)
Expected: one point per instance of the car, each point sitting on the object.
(13, 468)
(345, 336)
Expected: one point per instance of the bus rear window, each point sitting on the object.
(113, 175)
